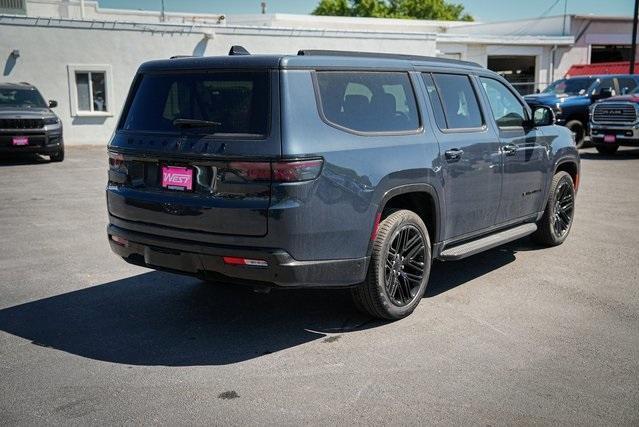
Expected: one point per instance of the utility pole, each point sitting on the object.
(563, 28)
(263, 4)
(633, 54)
(162, 15)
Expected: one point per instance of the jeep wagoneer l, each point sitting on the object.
(332, 169)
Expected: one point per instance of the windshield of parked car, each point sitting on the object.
(574, 86)
(23, 98)
(219, 102)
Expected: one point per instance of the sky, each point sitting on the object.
(482, 10)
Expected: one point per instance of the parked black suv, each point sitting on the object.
(27, 123)
(332, 169)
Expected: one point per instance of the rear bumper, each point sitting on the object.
(205, 260)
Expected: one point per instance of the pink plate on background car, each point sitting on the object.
(610, 138)
(20, 140)
(177, 178)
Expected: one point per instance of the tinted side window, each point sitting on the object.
(436, 103)
(368, 102)
(506, 108)
(459, 101)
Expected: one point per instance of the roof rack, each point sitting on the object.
(238, 50)
(314, 52)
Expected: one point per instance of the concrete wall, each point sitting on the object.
(46, 52)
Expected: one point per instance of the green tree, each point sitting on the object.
(409, 9)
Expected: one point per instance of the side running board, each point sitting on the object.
(475, 246)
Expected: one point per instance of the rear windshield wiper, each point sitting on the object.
(193, 123)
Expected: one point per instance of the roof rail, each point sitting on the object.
(181, 56)
(313, 52)
(238, 50)
(25, 83)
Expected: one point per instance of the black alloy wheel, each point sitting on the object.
(404, 269)
(564, 208)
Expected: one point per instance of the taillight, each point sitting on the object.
(285, 171)
(299, 170)
(116, 160)
(252, 171)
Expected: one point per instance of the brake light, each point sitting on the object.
(252, 171)
(285, 171)
(231, 260)
(116, 160)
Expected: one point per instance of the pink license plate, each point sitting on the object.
(610, 138)
(20, 140)
(177, 178)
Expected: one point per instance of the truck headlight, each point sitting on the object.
(51, 121)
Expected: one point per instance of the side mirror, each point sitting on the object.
(53, 103)
(543, 116)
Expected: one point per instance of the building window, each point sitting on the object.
(91, 90)
(13, 7)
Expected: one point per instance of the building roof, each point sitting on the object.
(600, 69)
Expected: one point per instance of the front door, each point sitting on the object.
(524, 152)
(469, 155)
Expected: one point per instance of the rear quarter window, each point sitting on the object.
(368, 102)
(236, 103)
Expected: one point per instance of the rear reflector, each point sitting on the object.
(120, 240)
(231, 260)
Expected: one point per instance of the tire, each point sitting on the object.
(58, 156)
(395, 284)
(577, 128)
(555, 224)
(607, 149)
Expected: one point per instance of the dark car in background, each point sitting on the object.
(332, 169)
(614, 122)
(27, 124)
(572, 97)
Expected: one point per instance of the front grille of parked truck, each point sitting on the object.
(617, 113)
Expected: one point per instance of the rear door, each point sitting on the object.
(524, 149)
(193, 151)
(469, 154)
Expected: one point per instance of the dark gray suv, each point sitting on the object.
(332, 169)
(27, 123)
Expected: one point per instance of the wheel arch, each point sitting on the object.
(419, 198)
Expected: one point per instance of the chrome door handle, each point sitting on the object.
(509, 149)
(453, 154)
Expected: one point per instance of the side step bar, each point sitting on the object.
(475, 246)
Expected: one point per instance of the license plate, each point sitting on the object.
(610, 138)
(20, 140)
(177, 178)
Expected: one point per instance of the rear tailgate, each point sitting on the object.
(211, 179)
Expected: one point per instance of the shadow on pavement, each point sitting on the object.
(160, 318)
(15, 159)
(624, 153)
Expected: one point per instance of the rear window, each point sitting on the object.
(232, 103)
(368, 102)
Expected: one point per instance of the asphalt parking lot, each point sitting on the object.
(516, 335)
